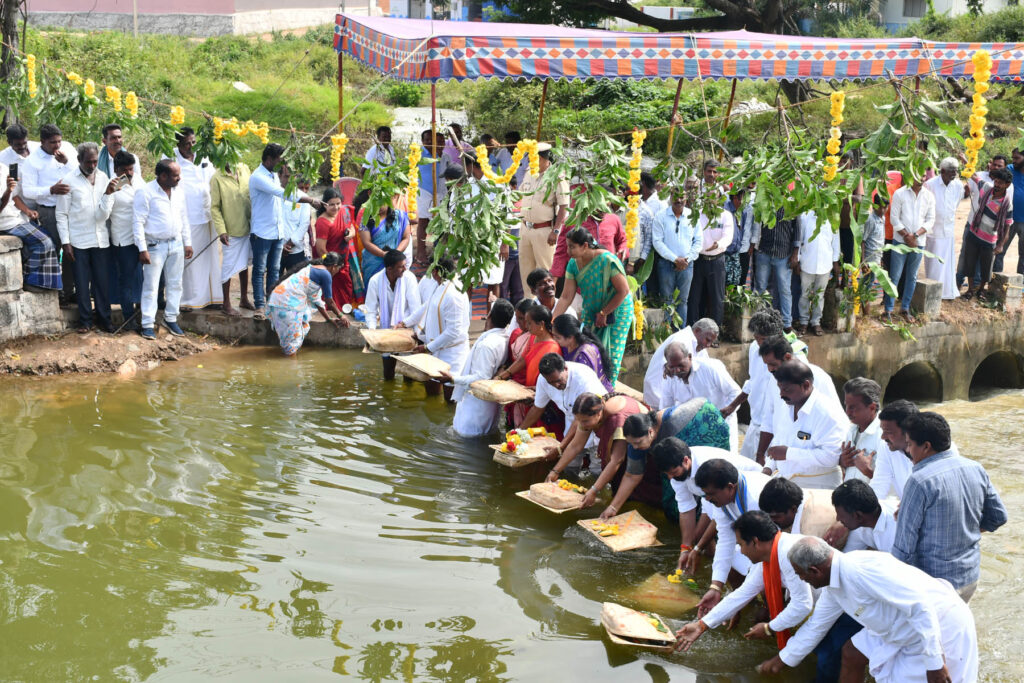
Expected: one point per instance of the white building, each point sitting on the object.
(896, 14)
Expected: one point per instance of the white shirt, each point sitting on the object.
(581, 380)
(817, 254)
(687, 491)
(82, 213)
(726, 547)
(721, 232)
(898, 602)
(8, 156)
(485, 359)
(41, 171)
(10, 216)
(822, 382)
(136, 177)
(801, 595)
(892, 469)
(444, 317)
(410, 301)
(708, 379)
(195, 184)
(296, 226)
(758, 386)
(912, 212)
(879, 537)
(655, 204)
(654, 378)
(122, 214)
(870, 441)
(947, 199)
(159, 217)
(813, 439)
(379, 156)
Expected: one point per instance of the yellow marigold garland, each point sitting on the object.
(835, 135)
(131, 103)
(982, 73)
(30, 72)
(527, 148)
(638, 318)
(114, 97)
(633, 201)
(74, 78)
(90, 87)
(263, 132)
(177, 115)
(533, 155)
(412, 192)
(338, 144)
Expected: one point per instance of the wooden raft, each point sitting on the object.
(500, 391)
(634, 532)
(627, 626)
(389, 341)
(526, 453)
(552, 497)
(421, 367)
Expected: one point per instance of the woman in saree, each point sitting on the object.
(335, 232)
(580, 346)
(389, 229)
(607, 309)
(515, 412)
(290, 305)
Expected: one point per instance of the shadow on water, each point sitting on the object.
(245, 515)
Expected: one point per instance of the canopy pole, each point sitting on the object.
(672, 119)
(341, 91)
(728, 113)
(540, 116)
(433, 139)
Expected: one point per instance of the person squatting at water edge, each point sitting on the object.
(290, 305)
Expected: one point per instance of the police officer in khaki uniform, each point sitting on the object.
(543, 218)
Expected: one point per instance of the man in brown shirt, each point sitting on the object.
(543, 218)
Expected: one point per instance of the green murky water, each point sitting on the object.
(241, 516)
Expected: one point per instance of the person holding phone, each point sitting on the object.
(40, 266)
(126, 276)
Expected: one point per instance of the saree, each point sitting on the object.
(589, 355)
(595, 285)
(333, 233)
(534, 352)
(386, 236)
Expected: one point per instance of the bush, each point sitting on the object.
(403, 94)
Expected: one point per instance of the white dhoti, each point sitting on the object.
(945, 272)
(199, 282)
(750, 441)
(895, 663)
(455, 356)
(237, 256)
(734, 433)
(474, 417)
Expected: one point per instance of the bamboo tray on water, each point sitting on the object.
(634, 532)
(627, 626)
(500, 391)
(526, 454)
(560, 500)
(389, 341)
(421, 367)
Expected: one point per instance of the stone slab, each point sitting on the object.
(1007, 289)
(10, 266)
(927, 299)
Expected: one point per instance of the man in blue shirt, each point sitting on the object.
(677, 240)
(266, 195)
(947, 502)
(1017, 229)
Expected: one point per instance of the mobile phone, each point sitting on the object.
(13, 171)
(122, 180)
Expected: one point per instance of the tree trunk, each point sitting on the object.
(8, 57)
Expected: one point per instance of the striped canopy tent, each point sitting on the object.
(426, 51)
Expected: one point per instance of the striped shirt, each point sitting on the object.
(779, 241)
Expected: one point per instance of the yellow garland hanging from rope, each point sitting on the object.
(412, 192)
(338, 144)
(131, 103)
(90, 87)
(177, 115)
(527, 148)
(114, 97)
(835, 136)
(75, 78)
(982, 73)
(638, 317)
(633, 201)
(30, 70)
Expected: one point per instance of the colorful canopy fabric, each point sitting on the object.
(426, 51)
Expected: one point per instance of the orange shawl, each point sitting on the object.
(773, 589)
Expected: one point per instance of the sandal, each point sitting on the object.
(260, 314)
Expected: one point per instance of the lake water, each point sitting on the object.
(242, 516)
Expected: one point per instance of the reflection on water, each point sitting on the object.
(268, 519)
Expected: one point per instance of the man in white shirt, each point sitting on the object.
(562, 383)
(893, 464)
(707, 290)
(473, 416)
(872, 523)
(392, 296)
(113, 143)
(766, 547)
(730, 493)
(698, 338)
(201, 284)
(19, 146)
(164, 241)
(862, 397)
(40, 267)
(912, 212)
(948, 191)
(808, 433)
(764, 324)
(127, 273)
(298, 223)
(42, 182)
(680, 464)
(688, 377)
(819, 259)
(678, 241)
(381, 154)
(445, 321)
(82, 216)
(916, 627)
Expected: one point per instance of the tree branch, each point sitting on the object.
(623, 10)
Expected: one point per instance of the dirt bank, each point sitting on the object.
(125, 353)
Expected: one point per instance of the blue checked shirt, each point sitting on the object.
(948, 501)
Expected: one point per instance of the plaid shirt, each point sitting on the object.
(947, 503)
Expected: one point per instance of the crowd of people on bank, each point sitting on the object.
(859, 522)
